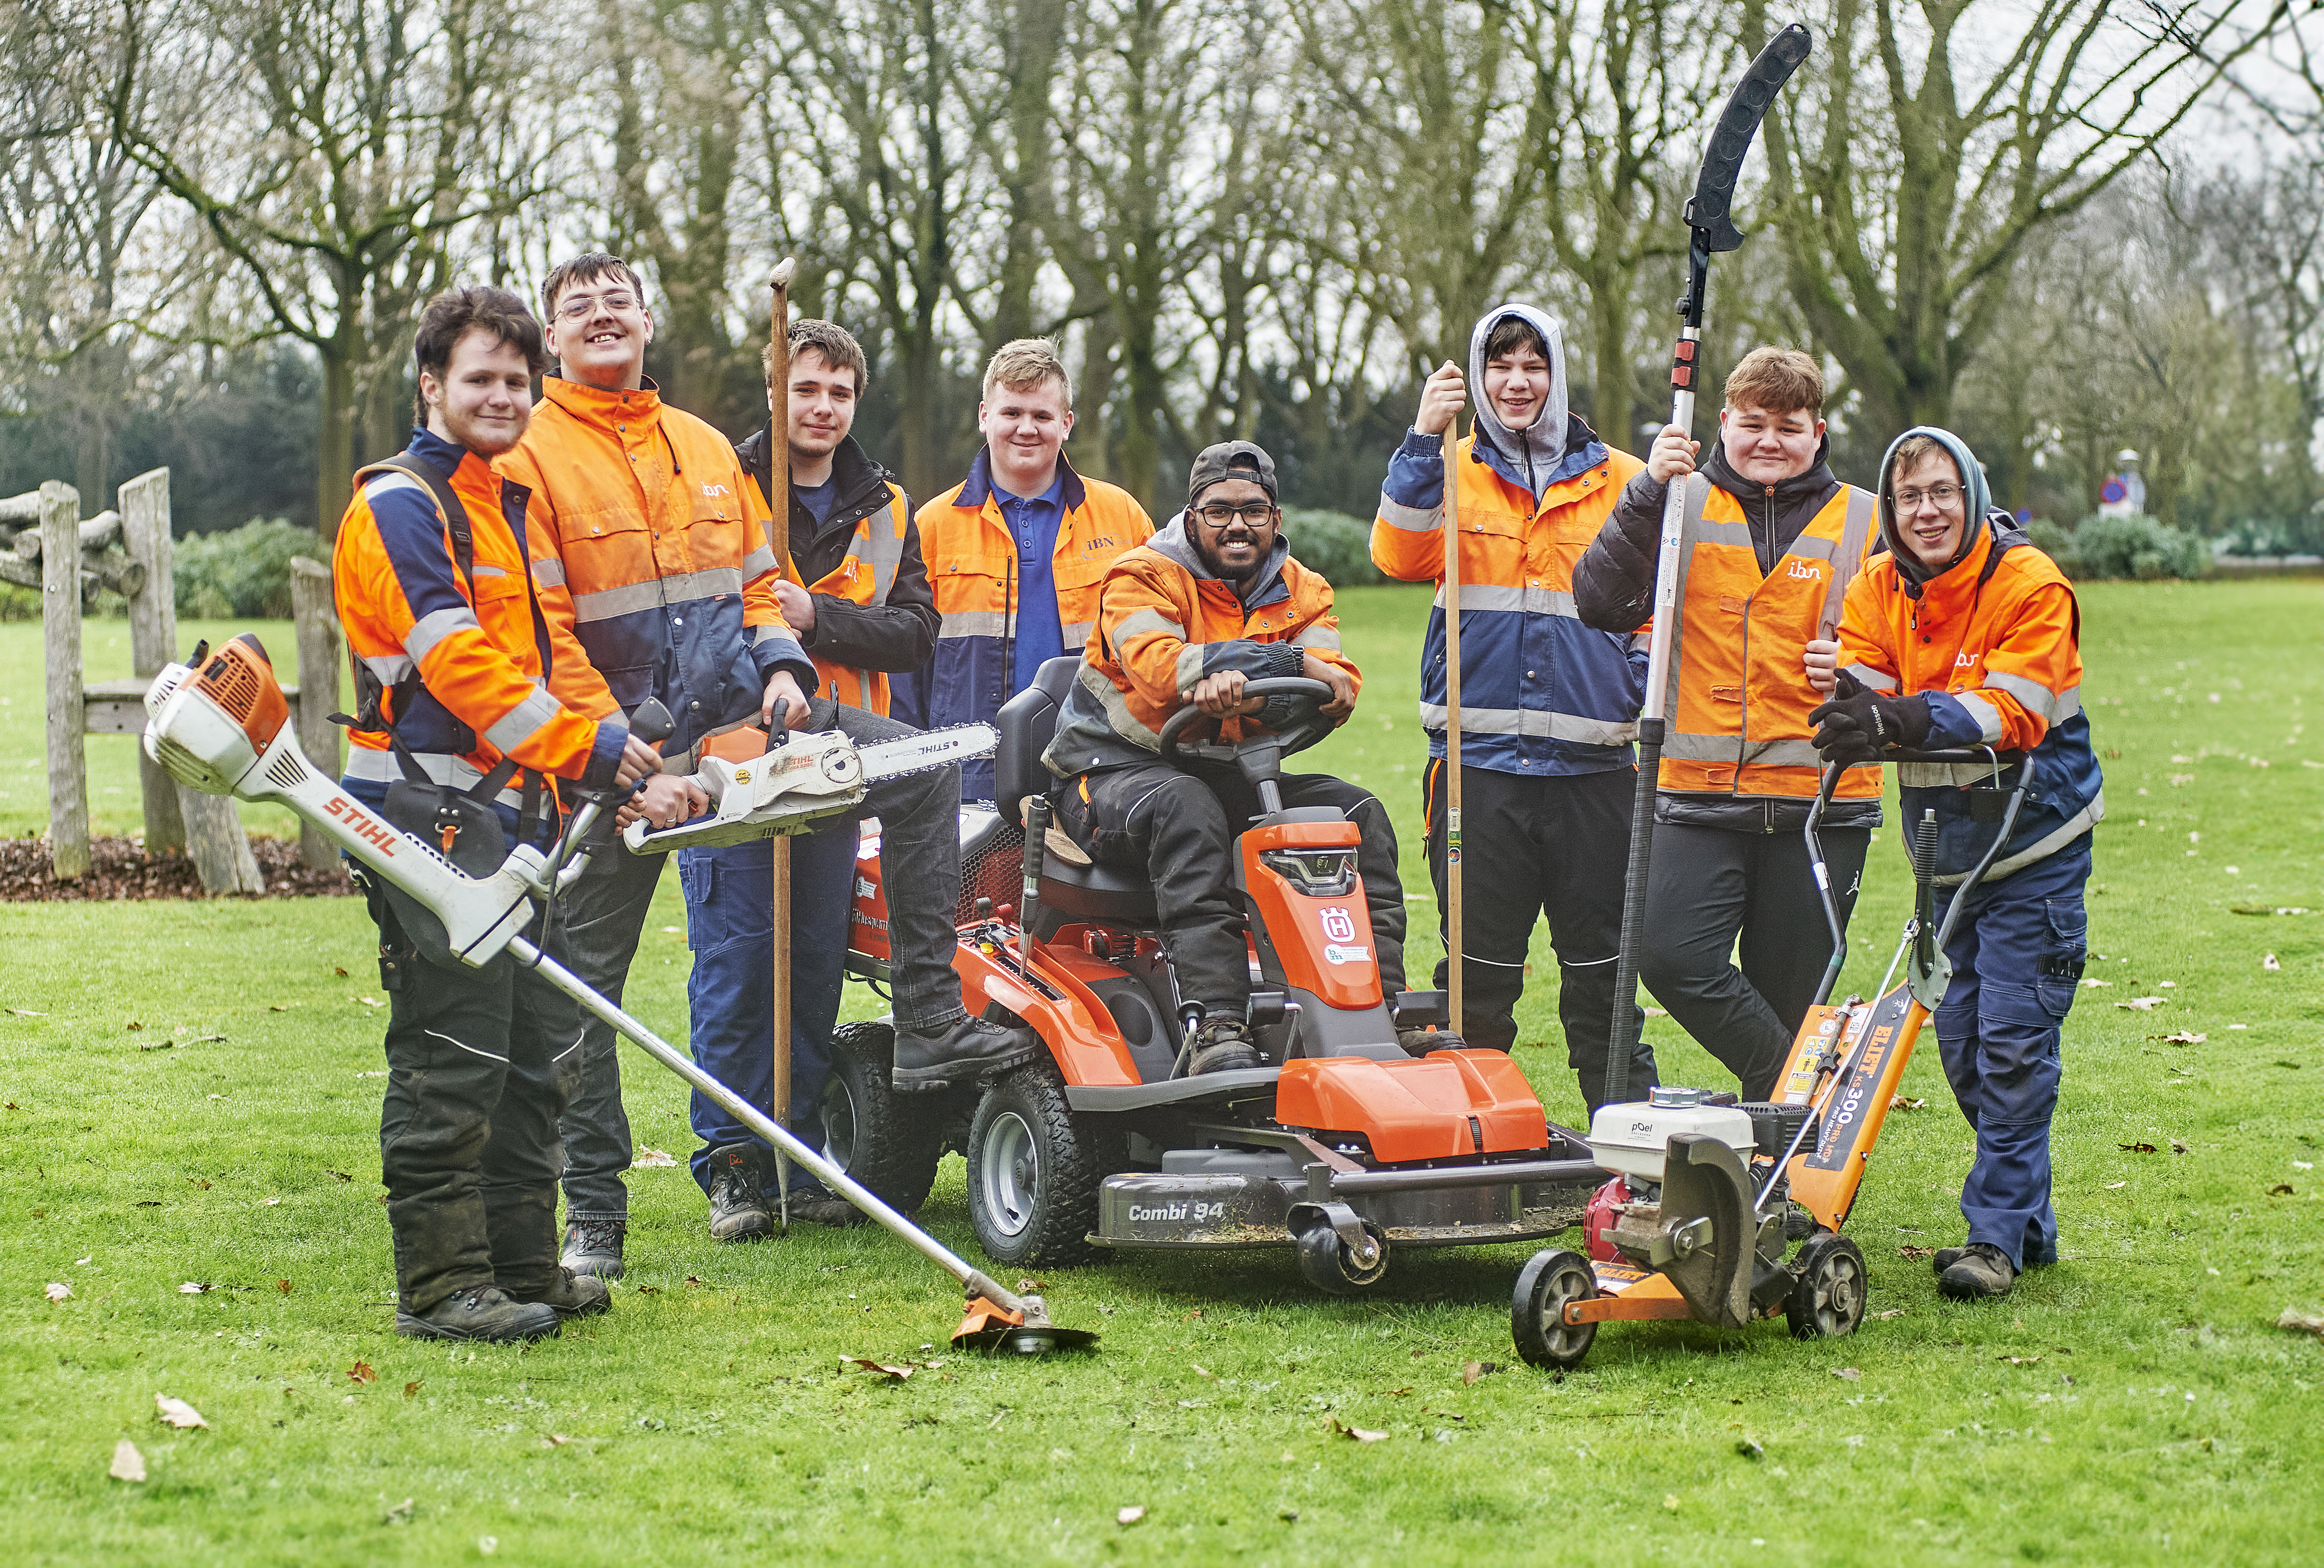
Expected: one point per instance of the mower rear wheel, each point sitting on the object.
(1827, 1300)
(1550, 1280)
(1330, 1264)
(1034, 1169)
(889, 1142)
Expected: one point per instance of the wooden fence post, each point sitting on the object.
(61, 635)
(312, 615)
(145, 504)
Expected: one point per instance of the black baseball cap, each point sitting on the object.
(1228, 460)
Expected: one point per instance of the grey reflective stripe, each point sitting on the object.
(2054, 706)
(548, 572)
(883, 548)
(1876, 681)
(1411, 519)
(1988, 717)
(1188, 668)
(1077, 634)
(1943, 775)
(1317, 637)
(1533, 723)
(971, 624)
(390, 667)
(1738, 534)
(381, 481)
(652, 594)
(1520, 601)
(1809, 547)
(2048, 844)
(1863, 507)
(1118, 716)
(756, 563)
(1691, 746)
(380, 767)
(521, 723)
(485, 571)
(1142, 620)
(435, 626)
(1780, 754)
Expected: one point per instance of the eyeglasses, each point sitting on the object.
(620, 302)
(1944, 495)
(1257, 515)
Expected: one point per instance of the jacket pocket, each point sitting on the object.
(698, 879)
(631, 685)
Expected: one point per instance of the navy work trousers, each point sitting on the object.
(2018, 959)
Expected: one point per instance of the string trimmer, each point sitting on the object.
(220, 724)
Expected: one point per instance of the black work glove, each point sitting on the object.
(1858, 724)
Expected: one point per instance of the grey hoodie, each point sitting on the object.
(1536, 450)
(1976, 505)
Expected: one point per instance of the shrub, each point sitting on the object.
(243, 572)
(2137, 547)
(1334, 544)
(2057, 542)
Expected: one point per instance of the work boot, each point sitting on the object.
(575, 1295)
(737, 1211)
(818, 1207)
(481, 1312)
(1222, 1045)
(1983, 1271)
(1420, 1042)
(593, 1247)
(961, 1051)
(1947, 1257)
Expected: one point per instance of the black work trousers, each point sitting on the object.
(1710, 885)
(1179, 826)
(481, 1063)
(1557, 846)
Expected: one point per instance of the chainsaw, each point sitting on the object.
(219, 724)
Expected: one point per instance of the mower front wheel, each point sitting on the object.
(889, 1142)
(1034, 1169)
(1550, 1281)
(1828, 1295)
(1330, 1264)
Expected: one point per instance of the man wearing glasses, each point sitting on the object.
(1211, 603)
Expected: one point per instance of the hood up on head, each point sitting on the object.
(1538, 448)
(1976, 505)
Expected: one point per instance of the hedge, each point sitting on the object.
(243, 571)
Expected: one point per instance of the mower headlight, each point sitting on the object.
(1319, 873)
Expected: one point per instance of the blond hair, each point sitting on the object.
(1778, 381)
(1027, 365)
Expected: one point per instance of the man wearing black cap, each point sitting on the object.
(1209, 603)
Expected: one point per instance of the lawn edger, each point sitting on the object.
(1708, 1195)
(219, 724)
(1343, 1147)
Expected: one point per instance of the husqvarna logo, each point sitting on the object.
(1338, 926)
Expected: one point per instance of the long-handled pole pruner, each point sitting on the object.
(1709, 214)
(1453, 721)
(779, 503)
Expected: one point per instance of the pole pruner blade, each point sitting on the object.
(1710, 212)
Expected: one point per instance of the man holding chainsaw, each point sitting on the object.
(1208, 604)
(1549, 704)
(1771, 542)
(452, 738)
(1021, 546)
(1964, 634)
(650, 545)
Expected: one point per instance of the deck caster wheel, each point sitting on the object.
(1551, 1279)
(1827, 1299)
(1330, 1264)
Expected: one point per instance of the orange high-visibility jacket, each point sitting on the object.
(862, 576)
(1163, 623)
(405, 605)
(1738, 700)
(1995, 644)
(650, 544)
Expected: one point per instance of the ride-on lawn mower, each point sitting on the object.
(1342, 1145)
(219, 724)
(1709, 1197)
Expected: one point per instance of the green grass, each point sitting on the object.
(2131, 1405)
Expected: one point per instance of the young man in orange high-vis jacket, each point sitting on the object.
(1548, 706)
(1964, 634)
(651, 547)
(1771, 541)
(1015, 552)
(1209, 603)
(451, 649)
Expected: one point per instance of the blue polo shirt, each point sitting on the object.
(1033, 522)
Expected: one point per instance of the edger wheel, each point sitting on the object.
(1033, 1171)
(1551, 1278)
(1827, 1298)
(1329, 1263)
(889, 1142)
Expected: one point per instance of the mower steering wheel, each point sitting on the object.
(1306, 729)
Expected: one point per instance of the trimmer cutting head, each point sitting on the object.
(994, 1329)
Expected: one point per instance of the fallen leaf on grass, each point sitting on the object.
(280, 1006)
(898, 1372)
(2281, 1189)
(1356, 1434)
(2179, 1146)
(694, 1279)
(134, 1025)
(26, 1012)
(400, 1514)
(178, 1413)
(2272, 964)
(1473, 1370)
(191, 1286)
(1892, 1312)
(649, 1290)
(338, 1175)
(652, 1159)
(1899, 1102)
(1849, 1373)
(2114, 1186)
(1130, 1516)
(340, 971)
(2167, 984)
(1654, 1012)
(555, 1440)
(2302, 1321)
(2183, 1038)
(155, 1045)
(2092, 983)
(1202, 1371)
(2136, 1147)
(412, 1390)
(58, 1291)
(362, 1372)
(1749, 1448)
(368, 1001)
(2141, 1004)
(2018, 1360)
(1396, 1393)
(128, 1464)
(1914, 1254)
(199, 1183)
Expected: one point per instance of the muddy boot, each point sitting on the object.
(737, 1211)
(481, 1312)
(593, 1247)
(1222, 1045)
(1420, 1042)
(1983, 1271)
(961, 1051)
(575, 1295)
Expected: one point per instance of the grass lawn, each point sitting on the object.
(2133, 1404)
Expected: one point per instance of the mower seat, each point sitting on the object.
(1028, 723)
